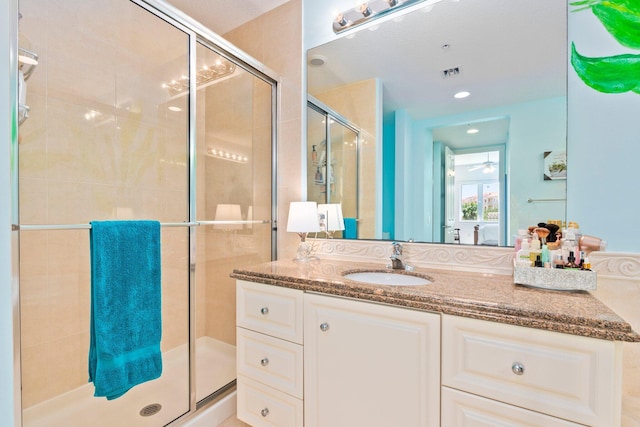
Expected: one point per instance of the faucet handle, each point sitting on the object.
(397, 248)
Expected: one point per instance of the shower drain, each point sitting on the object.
(151, 409)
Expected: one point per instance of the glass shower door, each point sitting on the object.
(233, 199)
(104, 140)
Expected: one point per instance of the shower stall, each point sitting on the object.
(131, 110)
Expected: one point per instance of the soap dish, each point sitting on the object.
(555, 278)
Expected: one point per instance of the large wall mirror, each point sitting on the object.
(468, 170)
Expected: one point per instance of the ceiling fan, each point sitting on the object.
(487, 167)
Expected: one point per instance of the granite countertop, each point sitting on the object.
(481, 296)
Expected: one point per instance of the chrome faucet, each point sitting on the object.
(396, 257)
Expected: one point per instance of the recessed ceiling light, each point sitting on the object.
(462, 94)
(174, 108)
(472, 130)
(317, 60)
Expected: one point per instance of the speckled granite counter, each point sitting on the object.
(481, 296)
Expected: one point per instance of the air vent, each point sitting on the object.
(450, 72)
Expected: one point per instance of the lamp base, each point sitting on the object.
(305, 252)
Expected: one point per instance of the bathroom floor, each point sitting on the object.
(233, 422)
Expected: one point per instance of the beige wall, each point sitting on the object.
(275, 40)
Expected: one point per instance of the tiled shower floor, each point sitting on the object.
(216, 366)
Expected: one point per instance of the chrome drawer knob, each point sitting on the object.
(264, 310)
(264, 412)
(264, 362)
(324, 327)
(517, 368)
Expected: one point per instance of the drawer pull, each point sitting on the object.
(264, 412)
(264, 362)
(324, 327)
(518, 368)
(264, 310)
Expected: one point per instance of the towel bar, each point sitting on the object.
(545, 200)
(30, 227)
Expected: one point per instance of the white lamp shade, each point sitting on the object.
(332, 216)
(303, 217)
(228, 213)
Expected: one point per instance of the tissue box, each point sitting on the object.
(555, 278)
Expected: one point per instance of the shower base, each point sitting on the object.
(216, 367)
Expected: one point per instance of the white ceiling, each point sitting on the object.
(509, 51)
(222, 16)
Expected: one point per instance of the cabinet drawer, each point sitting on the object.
(269, 309)
(274, 362)
(259, 405)
(567, 376)
(460, 409)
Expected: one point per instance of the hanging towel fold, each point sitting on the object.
(126, 324)
(350, 228)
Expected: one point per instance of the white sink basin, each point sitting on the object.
(387, 278)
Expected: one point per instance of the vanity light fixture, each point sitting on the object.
(461, 94)
(207, 74)
(365, 10)
(371, 10)
(174, 108)
(227, 155)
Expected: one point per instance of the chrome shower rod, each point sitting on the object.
(30, 227)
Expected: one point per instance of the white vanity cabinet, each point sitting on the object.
(314, 360)
(269, 355)
(370, 365)
(568, 377)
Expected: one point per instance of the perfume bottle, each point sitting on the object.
(314, 154)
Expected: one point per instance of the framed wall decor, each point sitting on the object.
(555, 165)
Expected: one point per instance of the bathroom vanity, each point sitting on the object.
(317, 349)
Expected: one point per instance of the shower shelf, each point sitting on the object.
(28, 61)
(23, 113)
(27, 64)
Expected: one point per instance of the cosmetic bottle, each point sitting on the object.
(568, 243)
(522, 236)
(544, 254)
(573, 226)
(522, 256)
(586, 264)
(314, 154)
(571, 262)
(557, 261)
(538, 262)
(534, 247)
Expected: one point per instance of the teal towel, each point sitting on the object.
(126, 323)
(350, 228)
